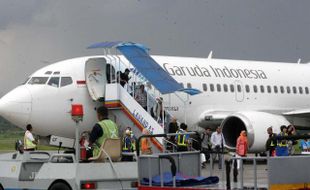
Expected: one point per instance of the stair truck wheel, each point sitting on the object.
(59, 186)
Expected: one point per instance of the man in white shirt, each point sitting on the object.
(30, 143)
(217, 141)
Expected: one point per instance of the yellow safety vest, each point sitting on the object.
(282, 143)
(110, 130)
(181, 140)
(28, 144)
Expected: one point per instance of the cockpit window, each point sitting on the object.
(48, 72)
(54, 82)
(25, 82)
(38, 80)
(65, 81)
(56, 73)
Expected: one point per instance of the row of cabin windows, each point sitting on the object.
(255, 88)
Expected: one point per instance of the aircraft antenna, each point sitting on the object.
(210, 55)
(299, 60)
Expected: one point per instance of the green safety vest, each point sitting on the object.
(181, 141)
(28, 144)
(110, 130)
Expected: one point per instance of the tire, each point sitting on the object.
(1, 188)
(59, 186)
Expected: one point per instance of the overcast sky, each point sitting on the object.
(34, 33)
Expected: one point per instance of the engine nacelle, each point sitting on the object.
(255, 123)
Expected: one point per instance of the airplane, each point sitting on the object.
(235, 94)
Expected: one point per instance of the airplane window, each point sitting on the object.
(294, 90)
(282, 89)
(275, 89)
(239, 87)
(204, 87)
(189, 85)
(218, 86)
(232, 88)
(225, 88)
(38, 80)
(56, 73)
(300, 90)
(211, 87)
(255, 88)
(269, 89)
(54, 82)
(288, 89)
(65, 81)
(48, 72)
(307, 90)
(262, 89)
(247, 88)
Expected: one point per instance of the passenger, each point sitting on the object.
(242, 147)
(282, 149)
(102, 130)
(172, 128)
(182, 139)
(217, 141)
(206, 144)
(290, 143)
(304, 145)
(30, 144)
(146, 147)
(127, 146)
(271, 144)
(141, 97)
(158, 110)
(124, 77)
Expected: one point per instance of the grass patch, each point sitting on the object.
(8, 139)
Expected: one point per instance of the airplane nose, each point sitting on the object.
(16, 106)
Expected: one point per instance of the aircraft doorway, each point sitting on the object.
(239, 91)
(95, 76)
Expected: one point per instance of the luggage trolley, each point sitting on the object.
(171, 170)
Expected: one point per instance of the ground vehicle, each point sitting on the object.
(51, 170)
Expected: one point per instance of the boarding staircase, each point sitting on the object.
(122, 106)
(127, 112)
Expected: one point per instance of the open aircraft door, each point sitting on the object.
(95, 73)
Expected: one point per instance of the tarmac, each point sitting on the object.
(248, 176)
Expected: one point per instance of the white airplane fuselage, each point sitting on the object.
(232, 100)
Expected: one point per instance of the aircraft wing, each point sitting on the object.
(302, 113)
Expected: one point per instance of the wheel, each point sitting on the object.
(1, 188)
(59, 186)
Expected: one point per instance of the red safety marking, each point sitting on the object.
(80, 82)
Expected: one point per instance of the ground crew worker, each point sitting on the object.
(102, 130)
(146, 147)
(127, 146)
(30, 143)
(182, 139)
(271, 144)
(282, 149)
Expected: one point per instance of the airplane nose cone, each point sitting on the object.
(16, 106)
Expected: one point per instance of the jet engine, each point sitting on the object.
(255, 123)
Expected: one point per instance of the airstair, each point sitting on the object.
(124, 109)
